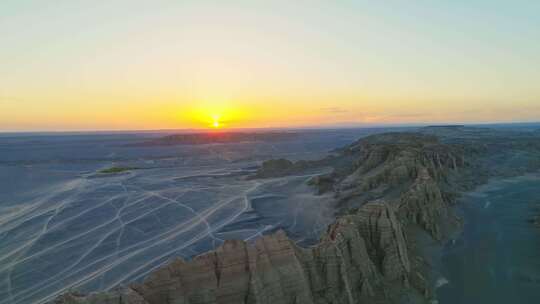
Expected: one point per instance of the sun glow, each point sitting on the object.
(215, 115)
(215, 121)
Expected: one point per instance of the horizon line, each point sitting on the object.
(325, 127)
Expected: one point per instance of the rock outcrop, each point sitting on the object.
(413, 172)
(275, 168)
(423, 204)
(118, 296)
(357, 257)
(282, 167)
(216, 137)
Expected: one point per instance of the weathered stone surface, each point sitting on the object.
(274, 168)
(355, 257)
(118, 296)
(380, 227)
(423, 204)
(412, 171)
(281, 167)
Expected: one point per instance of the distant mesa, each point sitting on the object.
(278, 167)
(446, 126)
(114, 170)
(283, 167)
(217, 138)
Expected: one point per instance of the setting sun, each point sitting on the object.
(216, 115)
(215, 121)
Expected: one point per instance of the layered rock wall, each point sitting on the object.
(358, 255)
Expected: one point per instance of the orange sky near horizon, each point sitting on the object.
(80, 65)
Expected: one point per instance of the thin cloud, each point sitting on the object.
(334, 110)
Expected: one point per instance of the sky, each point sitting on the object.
(69, 65)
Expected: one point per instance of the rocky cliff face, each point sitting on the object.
(413, 172)
(119, 296)
(357, 257)
(423, 204)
